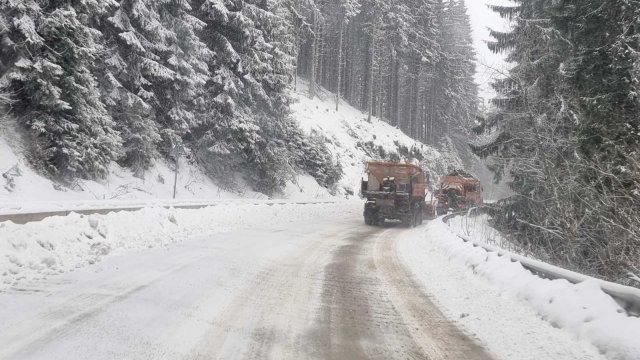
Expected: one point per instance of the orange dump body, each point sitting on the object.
(466, 187)
(394, 192)
(403, 175)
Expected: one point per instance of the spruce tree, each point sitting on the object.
(126, 92)
(566, 130)
(51, 52)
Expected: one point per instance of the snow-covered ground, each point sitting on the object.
(60, 244)
(510, 312)
(353, 141)
(476, 226)
(23, 190)
(267, 281)
(581, 311)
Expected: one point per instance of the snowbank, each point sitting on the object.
(59, 244)
(477, 226)
(584, 309)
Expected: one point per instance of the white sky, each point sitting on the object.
(488, 62)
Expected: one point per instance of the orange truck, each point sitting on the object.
(394, 192)
(458, 191)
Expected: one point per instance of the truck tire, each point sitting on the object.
(410, 220)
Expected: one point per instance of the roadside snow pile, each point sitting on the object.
(582, 308)
(60, 244)
(353, 140)
(477, 227)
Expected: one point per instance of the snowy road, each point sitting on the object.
(328, 289)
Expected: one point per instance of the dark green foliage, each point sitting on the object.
(132, 80)
(51, 52)
(313, 157)
(567, 131)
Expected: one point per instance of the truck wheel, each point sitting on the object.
(367, 220)
(410, 220)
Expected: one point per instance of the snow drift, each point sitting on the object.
(583, 309)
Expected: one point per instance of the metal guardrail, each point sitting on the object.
(628, 297)
(24, 218)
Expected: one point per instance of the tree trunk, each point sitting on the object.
(379, 101)
(372, 51)
(295, 67)
(396, 89)
(312, 75)
(389, 94)
(432, 112)
(339, 79)
(320, 54)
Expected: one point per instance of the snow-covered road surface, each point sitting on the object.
(330, 288)
(320, 290)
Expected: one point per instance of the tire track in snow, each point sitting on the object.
(269, 317)
(437, 336)
(358, 320)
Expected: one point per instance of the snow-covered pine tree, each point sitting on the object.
(49, 53)
(537, 51)
(344, 12)
(460, 92)
(252, 67)
(125, 90)
(399, 27)
(182, 100)
(371, 24)
(567, 130)
(160, 62)
(536, 121)
(447, 97)
(4, 47)
(603, 77)
(269, 63)
(424, 73)
(604, 73)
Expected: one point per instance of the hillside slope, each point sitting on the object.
(351, 139)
